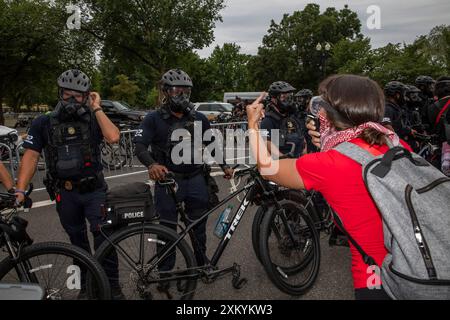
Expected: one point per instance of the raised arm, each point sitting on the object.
(282, 172)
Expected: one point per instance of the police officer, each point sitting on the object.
(176, 112)
(414, 104)
(70, 136)
(280, 115)
(302, 99)
(239, 109)
(395, 116)
(426, 86)
(439, 112)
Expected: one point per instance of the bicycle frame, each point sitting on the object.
(198, 271)
(226, 239)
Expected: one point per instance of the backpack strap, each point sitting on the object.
(354, 152)
(441, 113)
(366, 258)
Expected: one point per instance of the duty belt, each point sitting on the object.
(77, 185)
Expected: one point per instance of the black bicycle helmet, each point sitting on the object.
(279, 87)
(176, 78)
(424, 80)
(394, 87)
(74, 80)
(305, 93)
(412, 89)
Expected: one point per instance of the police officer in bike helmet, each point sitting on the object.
(281, 117)
(414, 103)
(426, 86)
(439, 112)
(302, 98)
(395, 116)
(195, 186)
(70, 137)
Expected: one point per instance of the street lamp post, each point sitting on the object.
(324, 50)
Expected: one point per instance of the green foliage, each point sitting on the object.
(35, 47)
(288, 52)
(228, 70)
(125, 90)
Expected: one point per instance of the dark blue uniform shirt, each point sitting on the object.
(154, 132)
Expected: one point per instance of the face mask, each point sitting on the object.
(180, 104)
(71, 109)
(325, 128)
(286, 106)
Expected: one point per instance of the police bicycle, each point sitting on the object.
(141, 249)
(63, 271)
(429, 149)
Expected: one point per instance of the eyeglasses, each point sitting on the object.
(178, 91)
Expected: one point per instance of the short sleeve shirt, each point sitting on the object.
(39, 136)
(339, 179)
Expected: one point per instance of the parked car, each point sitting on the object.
(212, 109)
(121, 113)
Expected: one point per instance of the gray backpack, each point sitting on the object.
(413, 198)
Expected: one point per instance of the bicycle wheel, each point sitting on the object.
(60, 269)
(291, 261)
(129, 258)
(256, 226)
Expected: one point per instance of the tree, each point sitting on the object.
(35, 47)
(228, 68)
(143, 39)
(288, 52)
(126, 90)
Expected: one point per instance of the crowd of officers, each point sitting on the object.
(412, 111)
(71, 136)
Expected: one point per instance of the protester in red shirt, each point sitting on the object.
(353, 108)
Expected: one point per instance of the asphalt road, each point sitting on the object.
(334, 280)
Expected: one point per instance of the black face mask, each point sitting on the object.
(180, 104)
(71, 109)
(286, 106)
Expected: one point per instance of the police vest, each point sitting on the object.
(180, 135)
(71, 152)
(289, 127)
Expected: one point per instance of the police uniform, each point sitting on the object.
(74, 172)
(396, 117)
(291, 131)
(155, 131)
(442, 129)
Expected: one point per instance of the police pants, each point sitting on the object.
(74, 209)
(194, 193)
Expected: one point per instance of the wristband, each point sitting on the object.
(97, 110)
(21, 191)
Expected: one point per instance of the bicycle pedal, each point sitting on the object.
(239, 283)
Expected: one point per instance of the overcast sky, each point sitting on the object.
(245, 22)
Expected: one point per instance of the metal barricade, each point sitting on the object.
(10, 158)
(117, 159)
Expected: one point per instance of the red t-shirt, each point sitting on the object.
(339, 179)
